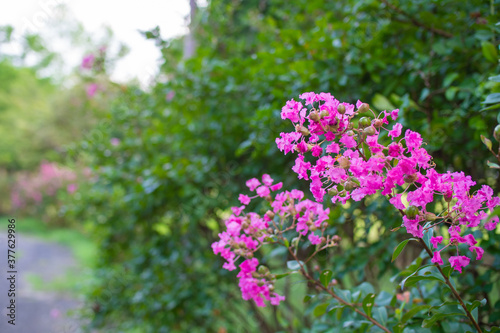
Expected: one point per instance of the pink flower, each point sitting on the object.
(267, 180)
(436, 240)
(316, 151)
(492, 224)
(276, 187)
(237, 210)
(333, 148)
(91, 90)
(301, 167)
(71, 188)
(396, 130)
(244, 199)
(170, 96)
(413, 140)
(314, 239)
(458, 262)
(252, 183)
(394, 114)
(479, 251)
(114, 141)
(263, 191)
(436, 258)
(396, 201)
(88, 61)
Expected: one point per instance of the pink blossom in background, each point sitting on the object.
(71, 188)
(91, 90)
(88, 61)
(114, 141)
(170, 95)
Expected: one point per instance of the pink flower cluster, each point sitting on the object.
(350, 158)
(32, 188)
(247, 232)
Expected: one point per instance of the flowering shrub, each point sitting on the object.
(34, 193)
(348, 152)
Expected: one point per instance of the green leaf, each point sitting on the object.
(399, 248)
(491, 107)
(412, 312)
(495, 78)
(429, 277)
(450, 93)
(486, 141)
(430, 322)
(380, 315)
(489, 51)
(398, 328)
(472, 305)
(492, 99)
(382, 103)
(294, 265)
(307, 298)
(325, 277)
(287, 243)
(428, 234)
(368, 303)
(493, 165)
(412, 275)
(320, 309)
(449, 79)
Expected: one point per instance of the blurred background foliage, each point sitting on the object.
(165, 163)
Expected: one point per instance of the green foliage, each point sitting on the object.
(187, 147)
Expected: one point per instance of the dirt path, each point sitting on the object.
(37, 310)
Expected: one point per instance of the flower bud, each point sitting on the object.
(410, 178)
(496, 133)
(430, 217)
(412, 212)
(364, 122)
(313, 228)
(263, 269)
(344, 162)
(363, 108)
(260, 283)
(333, 192)
(447, 196)
(377, 123)
(324, 113)
(301, 129)
(314, 116)
(341, 108)
(270, 214)
(370, 131)
(349, 185)
(271, 287)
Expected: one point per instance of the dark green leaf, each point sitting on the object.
(368, 303)
(412, 312)
(489, 51)
(320, 309)
(325, 277)
(399, 248)
(431, 321)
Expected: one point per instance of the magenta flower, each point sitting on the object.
(114, 141)
(88, 61)
(436, 240)
(252, 183)
(244, 199)
(71, 188)
(91, 90)
(436, 258)
(458, 262)
(396, 131)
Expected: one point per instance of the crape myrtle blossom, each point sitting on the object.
(246, 233)
(344, 156)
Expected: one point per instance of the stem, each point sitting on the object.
(453, 290)
(335, 296)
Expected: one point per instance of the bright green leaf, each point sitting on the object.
(368, 303)
(325, 277)
(489, 51)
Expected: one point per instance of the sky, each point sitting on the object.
(125, 17)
